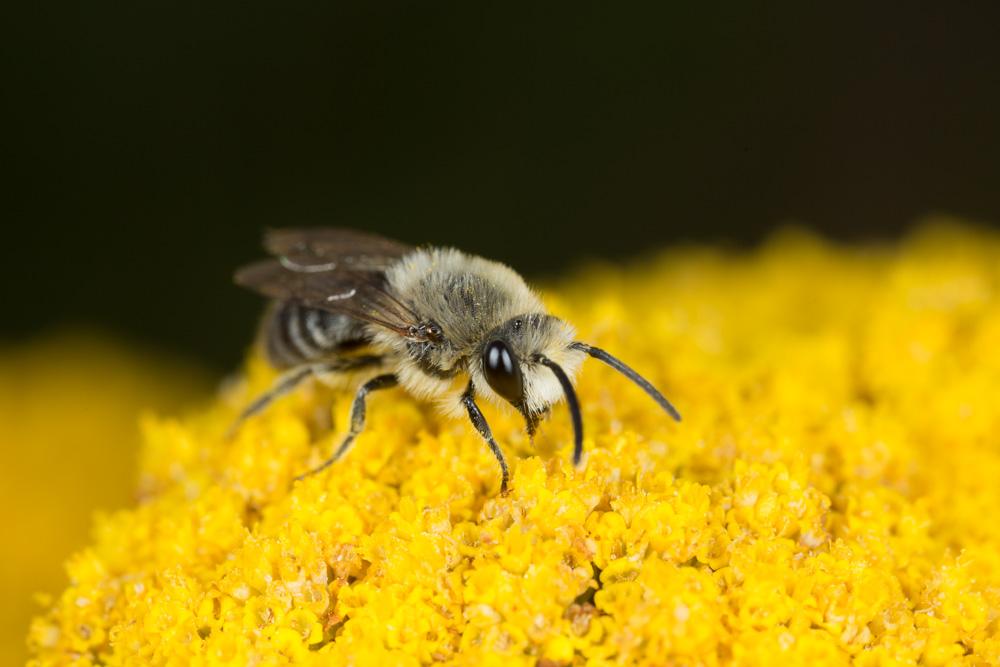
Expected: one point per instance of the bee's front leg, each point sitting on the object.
(479, 421)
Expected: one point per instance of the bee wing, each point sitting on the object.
(363, 295)
(332, 269)
(328, 248)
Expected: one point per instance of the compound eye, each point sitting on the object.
(502, 371)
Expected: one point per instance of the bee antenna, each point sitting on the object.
(619, 366)
(571, 401)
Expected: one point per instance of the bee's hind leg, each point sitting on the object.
(288, 381)
(285, 383)
(357, 419)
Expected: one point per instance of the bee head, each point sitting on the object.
(510, 362)
(530, 360)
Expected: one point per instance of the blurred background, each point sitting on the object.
(148, 144)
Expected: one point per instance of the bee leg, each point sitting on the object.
(479, 421)
(357, 419)
(285, 383)
(322, 420)
(289, 380)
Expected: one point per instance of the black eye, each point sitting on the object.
(502, 371)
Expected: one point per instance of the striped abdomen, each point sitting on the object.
(295, 334)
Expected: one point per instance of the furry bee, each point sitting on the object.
(442, 324)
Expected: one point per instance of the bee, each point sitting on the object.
(442, 324)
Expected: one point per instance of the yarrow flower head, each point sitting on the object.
(827, 500)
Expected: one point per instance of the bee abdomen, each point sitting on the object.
(295, 334)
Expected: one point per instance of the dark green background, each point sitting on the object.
(148, 143)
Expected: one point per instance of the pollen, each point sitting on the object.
(829, 497)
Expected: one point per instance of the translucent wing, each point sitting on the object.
(327, 248)
(336, 270)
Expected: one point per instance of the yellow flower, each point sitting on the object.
(69, 406)
(829, 498)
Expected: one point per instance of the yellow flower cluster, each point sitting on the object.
(69, 435)
(830, 497)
